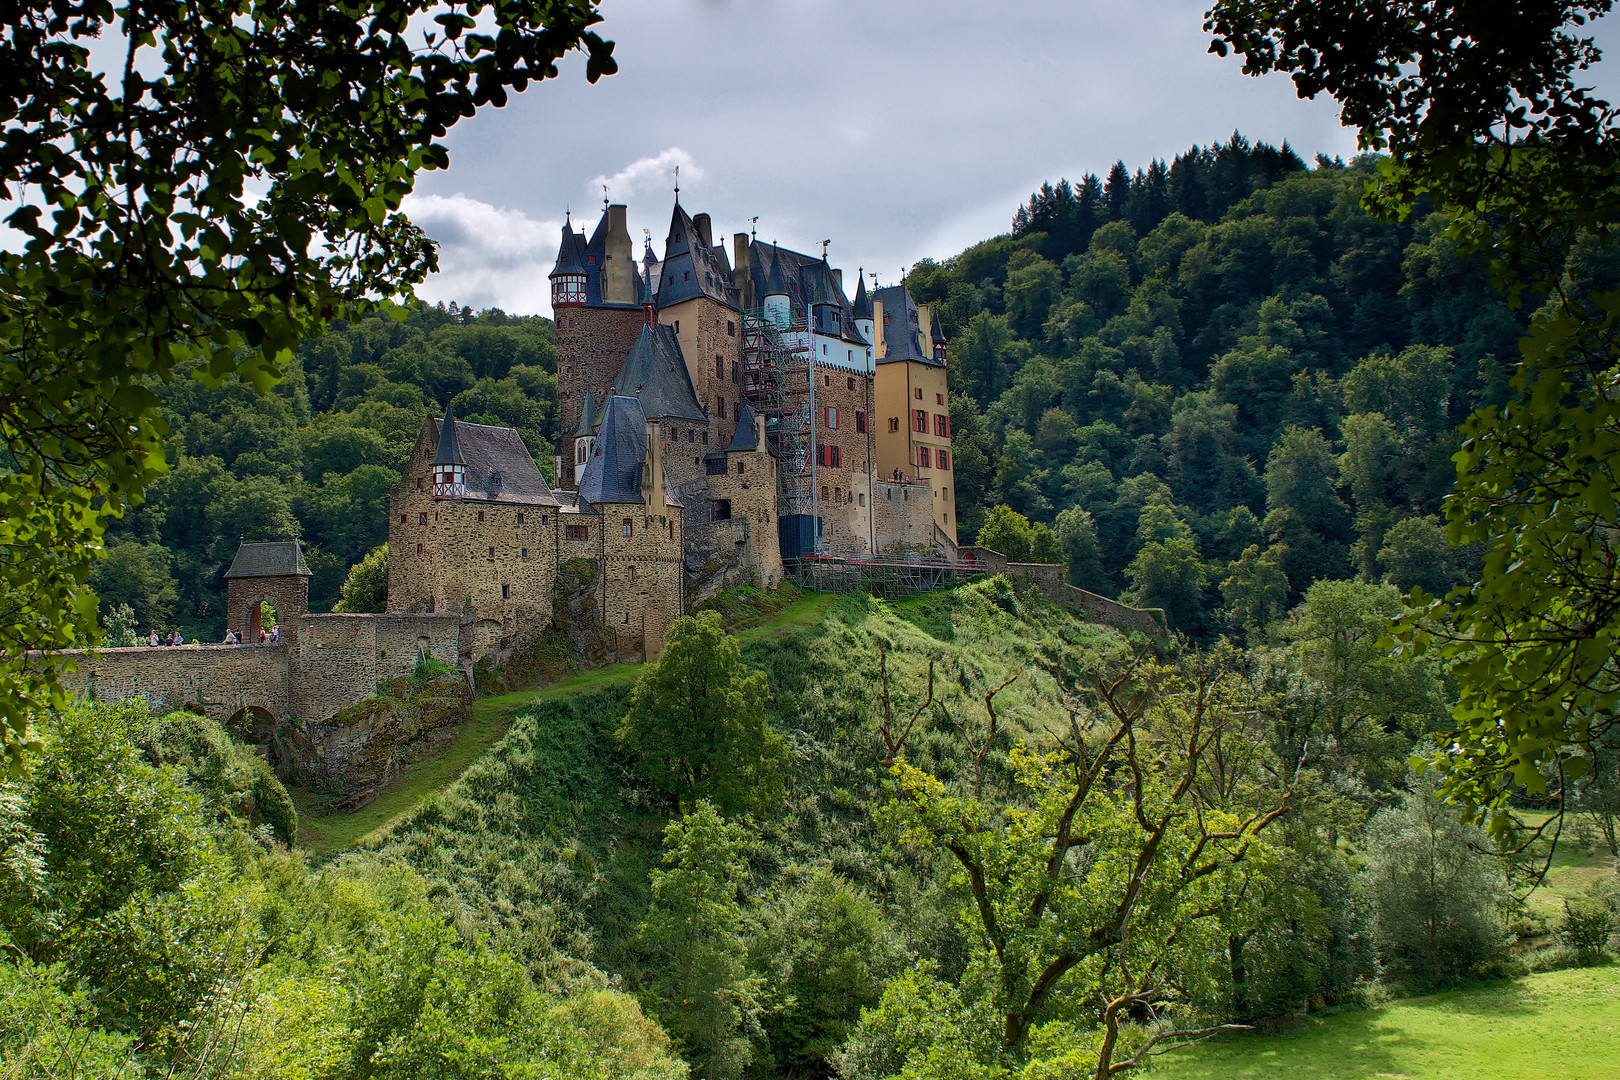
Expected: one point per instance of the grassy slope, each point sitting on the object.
(324, 833)
(546, 840)
(1563, 1024)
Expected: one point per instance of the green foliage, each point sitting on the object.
(701, 989)
(1015, 536)
(366, 587)
(159, 258)
(697, 722)
(1586, 927)
(1437, 896)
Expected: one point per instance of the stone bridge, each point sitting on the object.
(321, 664)
(330, 662)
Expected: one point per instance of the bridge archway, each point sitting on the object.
(256, 726)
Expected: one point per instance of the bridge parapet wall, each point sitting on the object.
(1048, 577)
(224, 679)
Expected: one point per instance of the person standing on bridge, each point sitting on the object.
(231, 638)
(152, 640)
(275, 635)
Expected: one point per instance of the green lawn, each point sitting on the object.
(1563, 1024)
(324, 833)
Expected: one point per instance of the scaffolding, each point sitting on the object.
(776, 354)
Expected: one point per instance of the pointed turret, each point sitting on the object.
(745, 437)
(587, 416)
(448, 467)
(568, 277)
(937, 335)
(862, 307)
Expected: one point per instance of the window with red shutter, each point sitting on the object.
(919, 422)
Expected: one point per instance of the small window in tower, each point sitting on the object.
(823, 348)
(719, 367)
(520, 517)
(632, 574)
(851, 353)
(860, 421)
(672, 528)
(687, 276)
(849, 383)
(492, 553)
(894, 423)
(629, 526)
(826, 380)
(523, 553)
(731, 328)
(720, 405)
(823, 492)
(402, 519)
(480, 517)
(544, 520)
(739, 468)
(677, 321)
(838, 494)
(705, 438)
(836, 457)
(939, 399)
(734, 378)
(919, 393)
(421, 519)
(419, 549)
(863, 498)
(506, 592)
(418, 483)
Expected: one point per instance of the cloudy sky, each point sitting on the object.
(897, 129)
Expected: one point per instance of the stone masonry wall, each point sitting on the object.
(592, 344)
(709, 332)
(224, 679)
(1048, 577)
(844, 513)
(342, 658)
(905, 516)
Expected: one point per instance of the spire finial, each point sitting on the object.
(824, 245)
(568, 216)
(753, 227)
(604, 196)
(677, 185)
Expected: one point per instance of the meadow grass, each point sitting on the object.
(1562, 1024)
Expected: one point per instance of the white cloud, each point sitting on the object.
(656, 173)
(489, 256)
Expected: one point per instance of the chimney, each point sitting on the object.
(838, 279)
(701, 222)
(619, 271)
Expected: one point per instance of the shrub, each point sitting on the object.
(1585, 928)
(1437, 899)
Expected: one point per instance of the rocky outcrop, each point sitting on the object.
(362, 747)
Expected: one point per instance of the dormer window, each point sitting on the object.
(449, 481)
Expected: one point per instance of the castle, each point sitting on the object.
(726, 413)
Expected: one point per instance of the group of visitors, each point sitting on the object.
(167, 639)
(273, 637)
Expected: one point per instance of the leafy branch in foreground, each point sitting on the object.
(231, 187)
(1480, 108)
(1096, 888)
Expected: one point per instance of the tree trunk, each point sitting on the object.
(1241, 1005)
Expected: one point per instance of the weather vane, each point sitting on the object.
(753, 227)
(824, 246)
(677, 183)
(604, 196)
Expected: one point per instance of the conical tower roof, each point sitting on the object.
(745, 437)
(568, 261)
(587, 417)
(775, 280)
(449, 449)
(862, 307)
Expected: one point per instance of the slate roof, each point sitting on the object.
(613, 475)
(691, 268)
(587, 416)
(934, 329)
(655, 375)
(902, 336)
(280, 558)
(745, 437)
(809, 285)
(449, 452)
(499, 466)
(576, 255)
(862, 307)
(570, 252)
